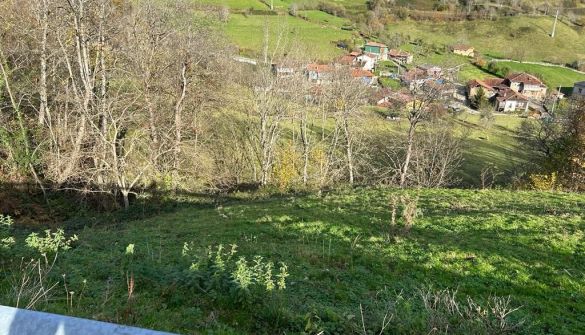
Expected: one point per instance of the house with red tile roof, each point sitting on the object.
(367, 61)
(349, 60)
(508, 100)
(488, 85)
(527, 84)
(367, 77)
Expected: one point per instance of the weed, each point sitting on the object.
(30, 284)
(409, 212)
(51, 243)
(218, 271)
(6, 240)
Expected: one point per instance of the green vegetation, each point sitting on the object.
(553, 77)
(521, 37)
(316, 39)
(341, 251)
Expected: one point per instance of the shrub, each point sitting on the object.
(218, 272)
(6, 241)
(405, 206)
(332, 8)
(544, 182)
(293, 9)
(51, 243)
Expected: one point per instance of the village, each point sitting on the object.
(517, 93)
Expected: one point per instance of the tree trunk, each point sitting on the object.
(43, 108)
(179, 125)
(125, 199)
(306, 147)
(349, 150)
(410, 143)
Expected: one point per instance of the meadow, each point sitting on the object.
(344, 261)
(522, 38)
(316, 39)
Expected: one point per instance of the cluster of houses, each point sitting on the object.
(517, 92)
(362, 63)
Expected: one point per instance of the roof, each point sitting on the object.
(346, 60)
(319, 68)
(580, 83)
(506, 93)
(398, 53)
(369, 55)
(376, 44)
(413, 74)
(488, 83)
(359, 73)
(462, 47)
(396, 98)
(524, 78)
(355, 53)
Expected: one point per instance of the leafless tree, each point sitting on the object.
(417, 111)
(346, 96)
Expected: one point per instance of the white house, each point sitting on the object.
(508, 100)
(527, 84)
(367, 61)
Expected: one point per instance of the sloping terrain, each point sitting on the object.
(342, 254)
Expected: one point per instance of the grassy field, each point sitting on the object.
(517, 38)
(341, 254)
(315, 38)
(553, 77)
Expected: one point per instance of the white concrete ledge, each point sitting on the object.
(14, 321)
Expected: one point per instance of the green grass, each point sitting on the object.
(526, 245)
(323, 18)
(237, 4)
(553, 77)
(517, 37)
(317, 40)
(495, 147)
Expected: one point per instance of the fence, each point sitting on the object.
(14, 321)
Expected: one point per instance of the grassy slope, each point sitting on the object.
(553, 77)
(526, 245)
(314, 37)
(494, 147)
(494, 37)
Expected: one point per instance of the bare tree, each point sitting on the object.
(346, 95)
(418, 110)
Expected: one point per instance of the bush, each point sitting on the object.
(218, 272)
(543, 182)
(6, 240)
(51, 243)
(332, 8)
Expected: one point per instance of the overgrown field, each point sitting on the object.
(341, 254)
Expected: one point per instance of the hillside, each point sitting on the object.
(341, 254)
(520, 38)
